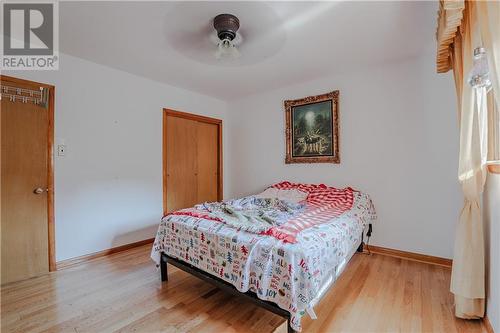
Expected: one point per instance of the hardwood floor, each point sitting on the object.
(123, 293)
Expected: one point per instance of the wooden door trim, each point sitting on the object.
(191, 116)
(203, 119)
(50, 163)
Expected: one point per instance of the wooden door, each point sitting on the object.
(192, 155)
(208, 164)
(181, 163)
(26, 179)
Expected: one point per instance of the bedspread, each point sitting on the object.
(252, 214)
(288, 274)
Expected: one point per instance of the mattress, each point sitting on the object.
(292, 275)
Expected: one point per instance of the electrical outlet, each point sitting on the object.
(61, 150)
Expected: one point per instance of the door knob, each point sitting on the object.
(38, 190)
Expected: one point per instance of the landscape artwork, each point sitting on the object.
(312, 129)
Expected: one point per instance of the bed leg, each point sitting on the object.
(360, 247)
(163, 268)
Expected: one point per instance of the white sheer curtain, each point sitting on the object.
(488, 15)
(480, 27)
(489, 20)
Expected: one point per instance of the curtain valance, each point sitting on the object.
(450, 16)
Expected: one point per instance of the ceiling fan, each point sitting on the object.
(228, 38)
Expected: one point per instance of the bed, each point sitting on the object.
(293, 243)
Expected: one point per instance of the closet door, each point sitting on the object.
(207, 180)
(181, 166)
(192, 160)
(26, 180)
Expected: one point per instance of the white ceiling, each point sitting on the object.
(283, 42)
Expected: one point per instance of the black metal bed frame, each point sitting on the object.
(223, 285)
(227, 287)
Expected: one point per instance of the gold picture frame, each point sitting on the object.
(312, 129)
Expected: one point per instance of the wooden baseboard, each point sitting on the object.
(487, 324)
(410, 256)
(85, 258)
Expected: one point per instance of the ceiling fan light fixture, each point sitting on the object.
(226, 26)
(226, 48)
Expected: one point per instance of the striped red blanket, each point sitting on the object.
(323, 204)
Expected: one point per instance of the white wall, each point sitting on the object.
(398, 143)
(491, 209)
(108, 188)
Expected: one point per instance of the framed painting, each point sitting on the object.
(312, 129)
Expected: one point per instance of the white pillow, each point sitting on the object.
(292, 195)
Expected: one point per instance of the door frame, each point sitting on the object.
(203, 119)
(50, 162)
